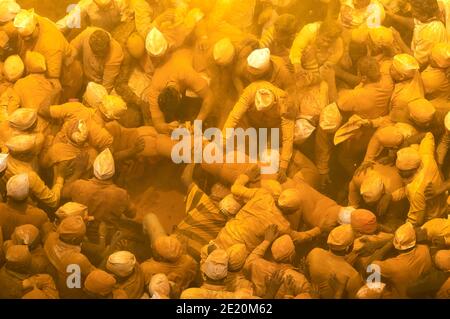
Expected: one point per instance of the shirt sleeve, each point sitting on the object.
(112, 66)
(305, 37)
(48, 196)
(239, 109)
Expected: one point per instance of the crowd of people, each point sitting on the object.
(359, 206)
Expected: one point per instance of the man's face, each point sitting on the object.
(324, 41)
(422, 125)
(397, 77)
(407, 174)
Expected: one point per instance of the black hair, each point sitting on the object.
(99, 41)
(369, 67)
(427, 8)
(169, 101)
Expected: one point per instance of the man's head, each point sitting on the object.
(329, 31)
(135, 45)
(121, 263)
(99, 283)
(340, 239)
(380, 38)
(283, 249)
(8, 11)
(71, 230)
(100, 43)
(26, 235)
(3, 163)
(229, 205)
(442, 260)
(26, 23)
(224, 52)
(13, 68)
(424, 10)
(405, 237)
(94, 94)
(104, 168)
(364, 222)
(258, 62)
(156, 43)
(421, 113)
(372, 187)
(169, 101)
(35, 62)
(159, 287)
(290, 201)
(112, 107)
(168, 248)
(18, 187)
(21, 146)
(408, 162)
(72, 209)
(18, 259)
(440, 56)
(369, 69)
(264, 99)
(23, 119)
(215, 267)
(285, 27)
(78, 132)
(404, 67)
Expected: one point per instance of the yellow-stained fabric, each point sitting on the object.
(438, 227)
(389, 175)
(436, 84)
(104, 71)
(307, 37)
(202, 223)
(405, 92)
(209, 292)
(385, 137)
(257, 268)
(51, 44)
(406, 268)
(182, 272)
(99, 137)
(421, 210)
(275, 116)
(36, 91)
(426, 36)
(369, 101)
(322, 265)
(179, 71)
(38, 189)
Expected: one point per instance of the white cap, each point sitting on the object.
(104, 167)
(13, 68)
(18, 187)
(113, 107)
(25, 22)
(3, 162)
(121, 263)
(405, 64)
(303, 130)
(159, 286)
(345, 215)
(94, 94)
(8, 10)
(408, 158)
(224, 52)
(330, 118)
(155, 43)
(264, 98)
(23, 118)
(71, 209)
(372, 187)
(21, 143)
(230, 205)
(259, 60)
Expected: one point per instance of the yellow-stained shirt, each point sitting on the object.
(420, 209)
(276, 116)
